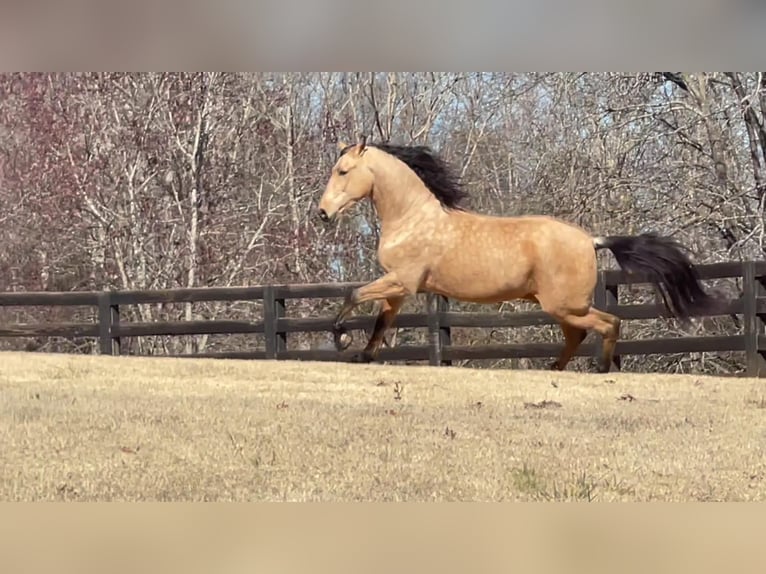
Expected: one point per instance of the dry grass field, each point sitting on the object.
(83, 428)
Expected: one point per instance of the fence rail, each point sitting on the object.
(275, 327)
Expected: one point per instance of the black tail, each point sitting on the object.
(664, 262)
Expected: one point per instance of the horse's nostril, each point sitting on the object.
(323, 215)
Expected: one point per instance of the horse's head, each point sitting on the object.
(350, 181)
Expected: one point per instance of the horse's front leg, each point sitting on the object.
(389, 287)
(384, 320)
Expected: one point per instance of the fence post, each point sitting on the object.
(752, 288)
(613, 298)
(604, 296)
(439, 336)
(114, 314)
(434, 342)
(273, 310)
(445, 333)
(108, 317)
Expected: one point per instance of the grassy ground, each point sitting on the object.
(111, 428)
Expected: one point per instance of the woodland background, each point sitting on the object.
(144, 181)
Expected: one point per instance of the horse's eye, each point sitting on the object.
(342, 172)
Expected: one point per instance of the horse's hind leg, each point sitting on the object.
(605, 324)
(610, 338)
(573, 337)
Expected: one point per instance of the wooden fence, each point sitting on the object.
(438, 320)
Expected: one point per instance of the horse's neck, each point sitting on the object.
(399, 195)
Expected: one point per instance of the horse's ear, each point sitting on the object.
(362, 144)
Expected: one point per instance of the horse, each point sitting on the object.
(430, 243)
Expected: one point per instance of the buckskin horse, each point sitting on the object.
(429, 243)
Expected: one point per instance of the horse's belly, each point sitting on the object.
(488, 283)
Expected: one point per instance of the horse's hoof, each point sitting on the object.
(342, 339)
(346, 340)
(604, 367)
(361, 357)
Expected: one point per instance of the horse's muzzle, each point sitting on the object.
(323, 215)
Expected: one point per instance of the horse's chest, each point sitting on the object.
(402, 249)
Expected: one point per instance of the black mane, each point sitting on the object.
(435, 173)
